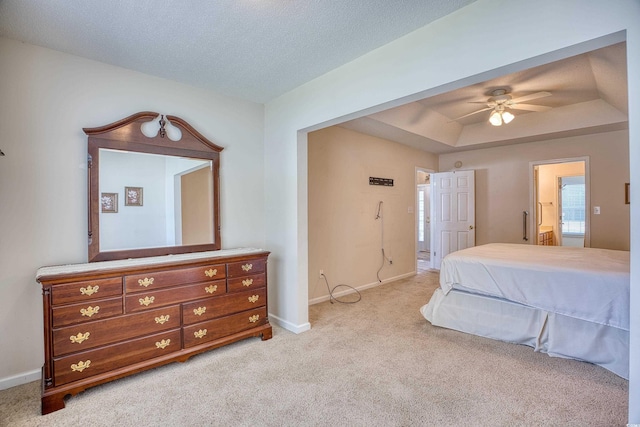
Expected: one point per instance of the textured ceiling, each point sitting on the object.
(251, 49)
(260, 49)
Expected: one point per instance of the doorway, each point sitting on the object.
(571, 206)
(423, 220)
(560, 205)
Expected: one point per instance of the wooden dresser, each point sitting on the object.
(108, 320)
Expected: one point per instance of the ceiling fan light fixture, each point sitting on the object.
(495, 118)
(500, 102)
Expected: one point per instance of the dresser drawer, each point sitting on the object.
(162, 279)
(94, 362)
(244, 268)
(210, 308)
(239, 284)
(86, 291)
(208, 331)
(169, 296)
(94, 334)
(87, 311)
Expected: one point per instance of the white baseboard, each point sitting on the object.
(24, 378)
(296, 329)
(361, 288)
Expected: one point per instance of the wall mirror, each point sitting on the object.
(153, 188)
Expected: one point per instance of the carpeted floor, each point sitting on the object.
(374, 363)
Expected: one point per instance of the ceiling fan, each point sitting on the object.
(500, 102)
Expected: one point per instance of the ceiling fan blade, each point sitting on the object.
(530, 107)
(471, 114)
(530, 97)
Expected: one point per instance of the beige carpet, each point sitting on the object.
(374, 363)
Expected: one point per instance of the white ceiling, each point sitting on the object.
(588, 95)
(260, 49)
(251, 49)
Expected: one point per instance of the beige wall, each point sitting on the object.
(502, 185)
(344, 236)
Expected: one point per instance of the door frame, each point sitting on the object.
(587, 196)
(415, 209)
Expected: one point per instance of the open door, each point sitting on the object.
(454, 213)
(560, 202)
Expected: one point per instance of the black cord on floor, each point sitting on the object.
(384, 258)
(331, 290)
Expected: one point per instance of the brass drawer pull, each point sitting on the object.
(77, 339)
(162, 344)
(146, 301)
(254, 318)
(211, 289)
(80, 366)
(253, 298)
(199, 311)
(247, 282)
(162, 319)
(89, 311)
(211, 272)
(89, 290)
(200, 333)
(146, 281)
(247, 267)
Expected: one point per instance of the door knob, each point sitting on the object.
(471, 227)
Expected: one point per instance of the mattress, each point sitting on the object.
(585, 283)
(567, 302)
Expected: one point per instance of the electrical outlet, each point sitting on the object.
(321, 273)
(390, 260)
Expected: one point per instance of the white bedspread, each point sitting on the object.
(584, 283)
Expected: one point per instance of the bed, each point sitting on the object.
(564, 301)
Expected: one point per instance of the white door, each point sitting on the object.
(454, 213)
(424, 218)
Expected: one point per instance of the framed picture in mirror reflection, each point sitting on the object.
(133, 196)
(109, 202)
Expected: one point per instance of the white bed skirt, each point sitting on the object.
(551, 333)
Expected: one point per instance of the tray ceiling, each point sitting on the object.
(588, 95)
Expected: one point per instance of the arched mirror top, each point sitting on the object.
(153, 188)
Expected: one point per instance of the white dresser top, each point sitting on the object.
(134, 262)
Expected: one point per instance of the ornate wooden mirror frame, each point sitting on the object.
(127, 135)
